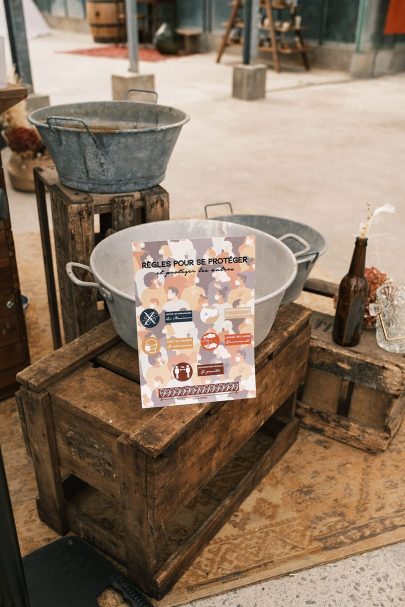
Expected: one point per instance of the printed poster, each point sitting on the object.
(195, 319)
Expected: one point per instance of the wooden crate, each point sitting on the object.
(151, 487)
(355, 395)
(80, 221)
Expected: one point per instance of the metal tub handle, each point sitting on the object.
(217, 204)
(301, 241)
(67, 119)
(99, 149)
(144, 91)
(83, 283)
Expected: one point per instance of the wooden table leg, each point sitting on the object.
(48, 261)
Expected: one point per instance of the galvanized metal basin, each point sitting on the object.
(112, 268)
(110, 146)
(305, 243)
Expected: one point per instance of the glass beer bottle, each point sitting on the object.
(352, 297)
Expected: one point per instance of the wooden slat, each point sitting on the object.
(39, 420)
(140, 555)
(69, 357)
(321, 287)
(86, 452)
(21, 415)
(156, 204)
(365, 364)
(342, 429)
(121, 359)
(11, 95)
(106, 400)
(125, 213)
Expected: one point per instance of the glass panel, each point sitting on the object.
(329, 20)
(58, 8)
(44, 5)
(190, 13)
(76, 8)
(220, 13)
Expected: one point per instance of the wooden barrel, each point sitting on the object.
(106, 19)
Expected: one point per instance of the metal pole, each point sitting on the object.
(18, 41)
(250, 38)
(131, 10)
(13, 587)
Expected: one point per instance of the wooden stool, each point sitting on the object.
(151, 487)
(80, 221)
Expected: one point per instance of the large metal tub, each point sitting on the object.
(305, 243)
(110, 146)
(112, 268)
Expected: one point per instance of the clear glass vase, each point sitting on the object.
(390, 312)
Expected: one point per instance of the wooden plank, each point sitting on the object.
(321, 390)
(139, 532)
(125, 211)
(321, 287)
(168, 574)
(41, 432)
(208, 447)
(106, 400)
(69, 357)
(156, 202)
(121, 359)
(365, 364)
(342, 429)
(85, 451)
(98, 520)
(395, 415)
(369, 406)
(21, 415)
(11, 95)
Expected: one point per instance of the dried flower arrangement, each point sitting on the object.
(375, 279)
(27, 147)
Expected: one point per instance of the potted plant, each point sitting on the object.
(27, 149)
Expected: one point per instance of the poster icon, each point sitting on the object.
(182, 371)
(149, 318)
(151, 345)
(209, 315)
(210, 340)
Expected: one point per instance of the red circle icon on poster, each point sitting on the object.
(210, 340)
(182, 371)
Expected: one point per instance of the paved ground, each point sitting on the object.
(317, 150)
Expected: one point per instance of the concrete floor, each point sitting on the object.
(317, 149)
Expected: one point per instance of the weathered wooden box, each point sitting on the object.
(151, 487)
(355, 395)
